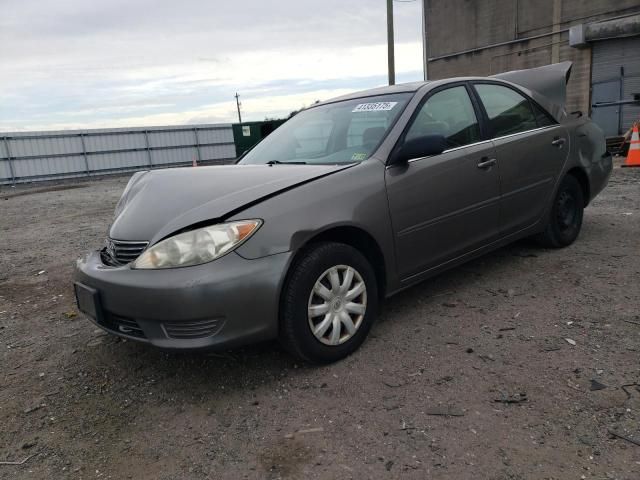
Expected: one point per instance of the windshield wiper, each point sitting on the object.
(278, 162)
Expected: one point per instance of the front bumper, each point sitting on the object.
(228, 302)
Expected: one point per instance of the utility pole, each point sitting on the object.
(238, 105)
(425, 43)
(390, 43)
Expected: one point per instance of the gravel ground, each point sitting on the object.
(508, 345)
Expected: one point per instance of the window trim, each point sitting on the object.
(453, 149)
(532, 102)
(489, 140)
(476, 110)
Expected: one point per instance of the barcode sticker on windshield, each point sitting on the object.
(374, 107)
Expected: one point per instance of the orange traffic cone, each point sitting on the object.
(195, 162)
(633, 157)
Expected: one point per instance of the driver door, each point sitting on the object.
(446, 205)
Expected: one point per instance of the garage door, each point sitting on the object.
(616, 60)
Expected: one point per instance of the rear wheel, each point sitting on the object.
(329, 303)
(565, 220)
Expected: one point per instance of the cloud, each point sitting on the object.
(220, 112)
(80, 63)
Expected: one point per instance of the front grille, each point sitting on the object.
(126, 326)
(193, 330)
(117, 252)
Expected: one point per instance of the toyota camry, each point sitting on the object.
(347, 203)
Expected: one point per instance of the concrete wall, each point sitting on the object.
(455, 26)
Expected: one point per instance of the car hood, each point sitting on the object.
(158, 203)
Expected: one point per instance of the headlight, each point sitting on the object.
(197, 246)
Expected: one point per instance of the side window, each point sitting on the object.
(542, 117)
(448, 113)
(508, 111)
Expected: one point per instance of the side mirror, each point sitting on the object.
(419, 147)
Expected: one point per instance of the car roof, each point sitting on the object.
(546, 85)
(413, 87)
(410, 87)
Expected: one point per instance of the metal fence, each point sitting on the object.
(38, 156)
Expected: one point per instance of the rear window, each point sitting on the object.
(542, 117)
(508, 111)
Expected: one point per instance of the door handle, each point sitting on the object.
(486, 163)
(558, 142)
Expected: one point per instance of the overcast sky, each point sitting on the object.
(118, 63)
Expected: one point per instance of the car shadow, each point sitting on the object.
(448, 282)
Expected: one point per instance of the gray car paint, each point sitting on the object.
(241, 294)
(432, 220)
(165, 201)
(527, 217)
(529, 164)
(424, 217)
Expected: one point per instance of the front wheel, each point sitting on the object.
(565, 219)
(329, 303)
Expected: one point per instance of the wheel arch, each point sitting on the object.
(579, 174)
(355, 237)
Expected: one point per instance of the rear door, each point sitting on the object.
(444, 205)
(531, 148)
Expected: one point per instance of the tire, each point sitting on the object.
(302, 309)
(565, 219)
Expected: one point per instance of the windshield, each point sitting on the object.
(341, 132)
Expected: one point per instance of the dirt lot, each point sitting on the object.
(77, 403)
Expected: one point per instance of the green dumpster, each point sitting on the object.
(247, 134)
